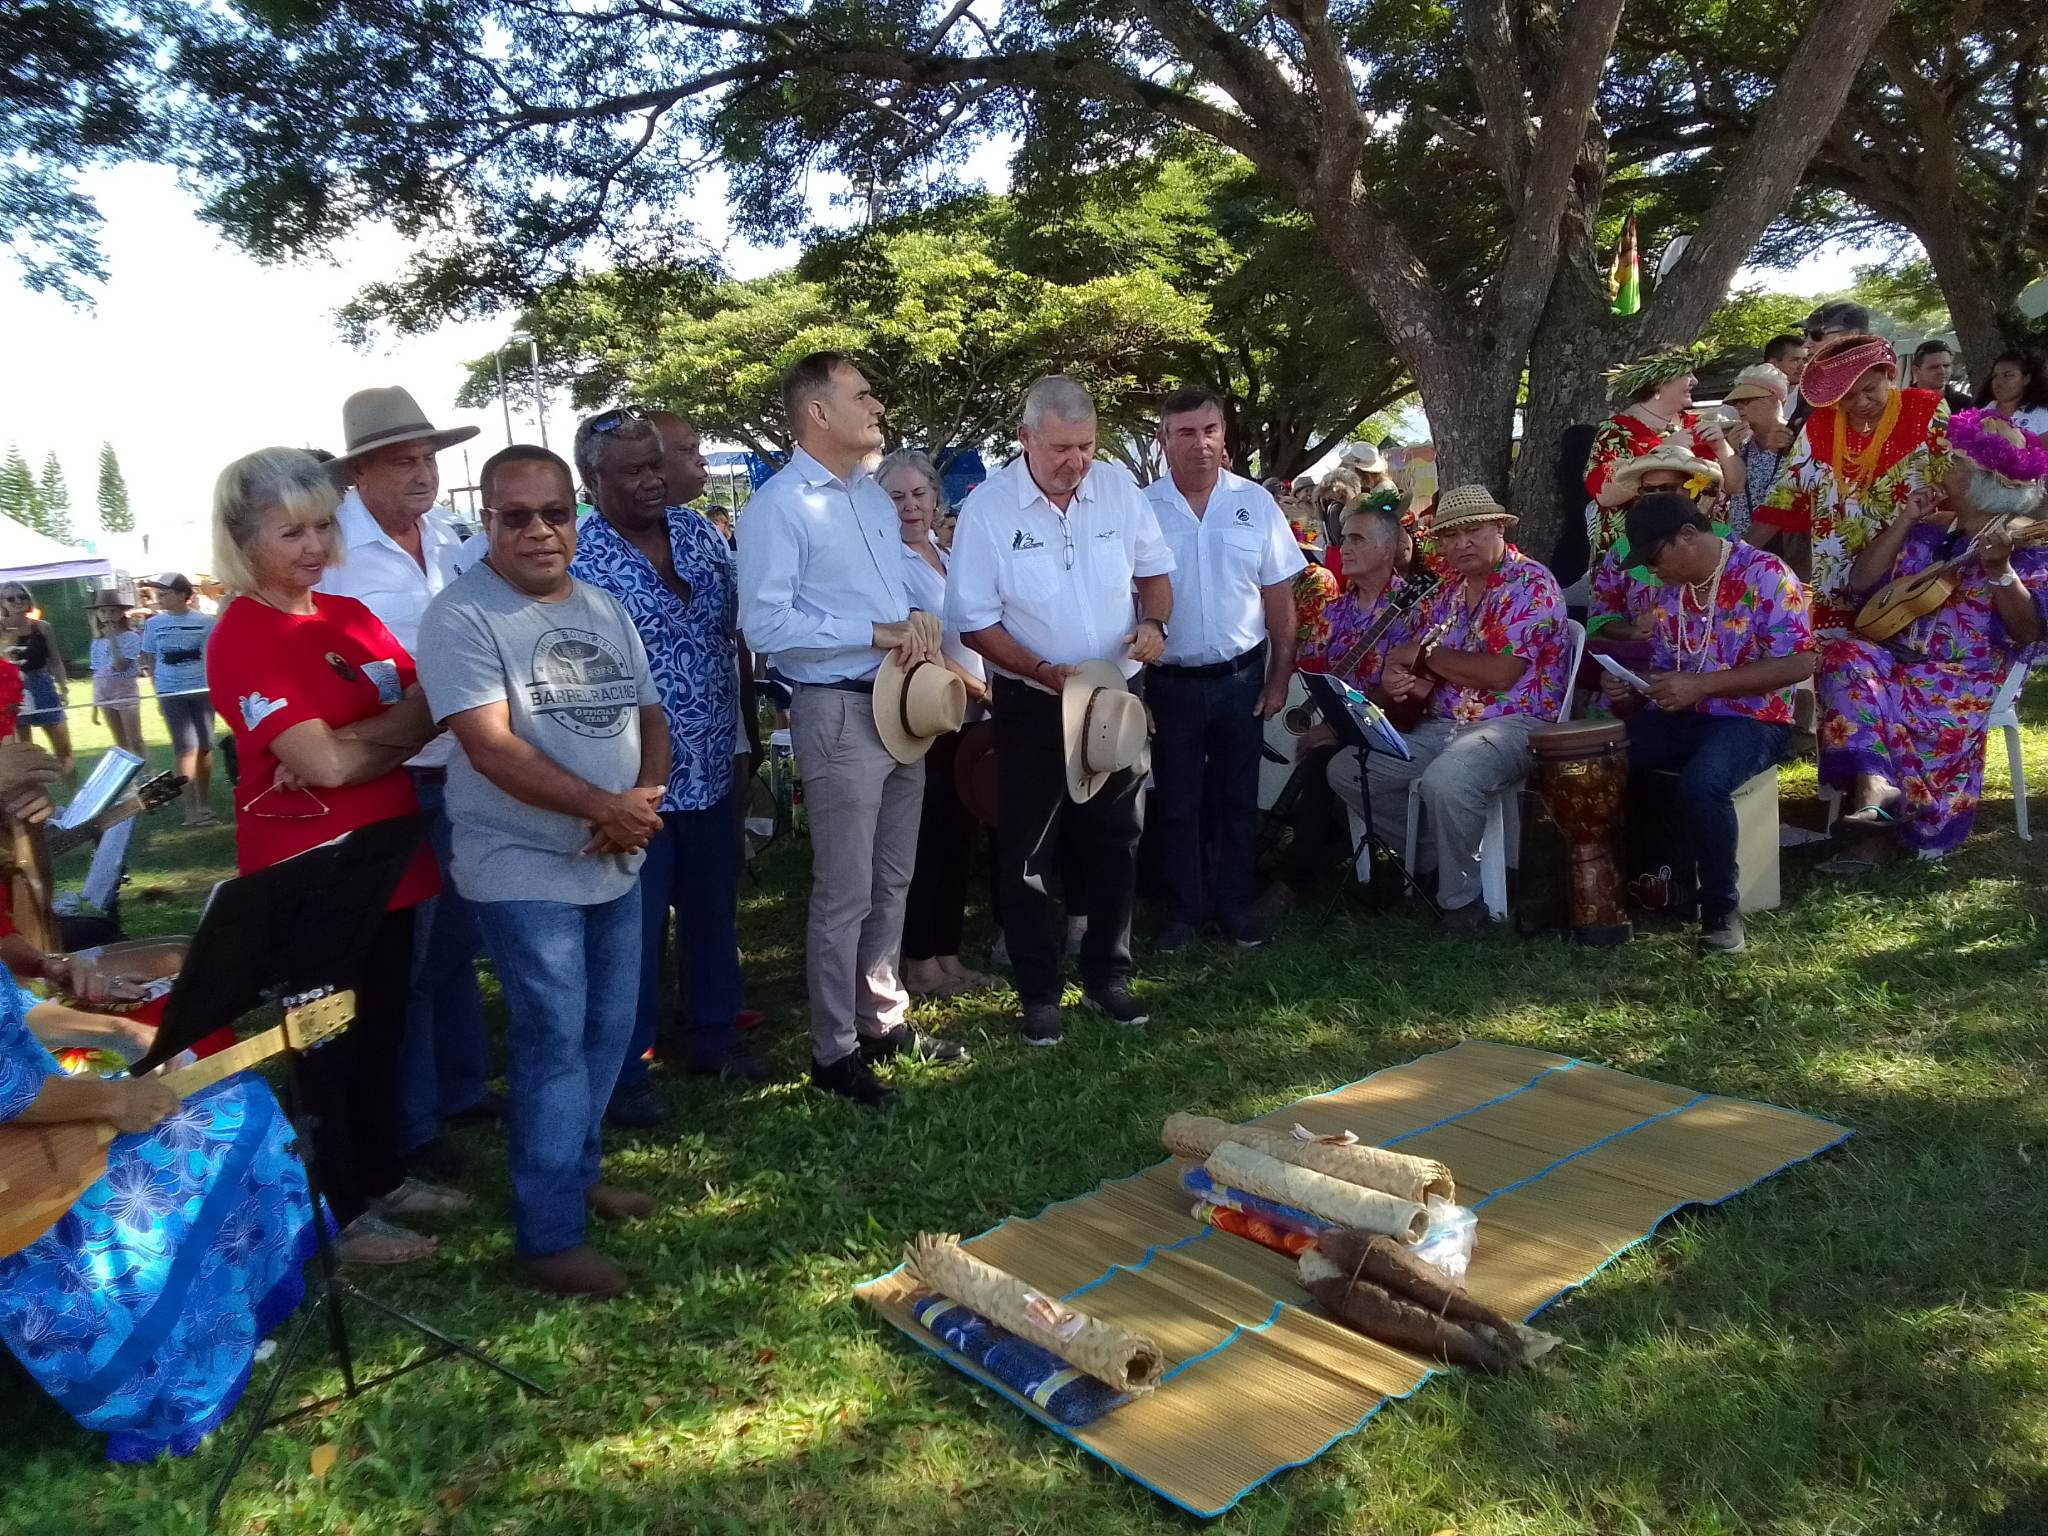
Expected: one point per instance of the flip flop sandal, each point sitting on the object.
(369, 1225)
(1868, 816)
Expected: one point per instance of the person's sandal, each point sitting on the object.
(417, 1197)
(370, 1239)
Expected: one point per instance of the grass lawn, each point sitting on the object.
(1857, 1345)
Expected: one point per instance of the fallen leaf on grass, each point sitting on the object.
(452, 1499)
(321, 1462)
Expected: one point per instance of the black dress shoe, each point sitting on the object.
(737, 1066)
(914, 1043)
(852, 1078)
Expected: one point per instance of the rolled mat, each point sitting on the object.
(1197, 1182)
(1335, 1200)
(1194, 1137)
(1066, 1394)
(1123, 1359)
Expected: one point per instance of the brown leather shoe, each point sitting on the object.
(578, 1271)
(616, 1204)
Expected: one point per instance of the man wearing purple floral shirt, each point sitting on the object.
(1731, 637)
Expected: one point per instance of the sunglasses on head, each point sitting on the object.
(516, 518)
(613, 421)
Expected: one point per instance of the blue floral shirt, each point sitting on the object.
(689, 644)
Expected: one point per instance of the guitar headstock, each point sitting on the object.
(313, 1024)
(159, 790)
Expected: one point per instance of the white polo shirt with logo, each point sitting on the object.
(1240, 543)
(1059, 583)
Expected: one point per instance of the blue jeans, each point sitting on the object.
(1714, 756)
(1205, 781)
(568, 974)
(693, 867)
(444, 1062)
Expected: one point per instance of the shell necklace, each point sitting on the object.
(1707, 594)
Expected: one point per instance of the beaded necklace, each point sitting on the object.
(1707, 603)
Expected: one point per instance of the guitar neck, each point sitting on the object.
(239, 1057)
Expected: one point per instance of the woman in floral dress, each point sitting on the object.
(1659, 410)
(1903, 724)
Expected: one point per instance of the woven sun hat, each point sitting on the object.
(915, 706)
(1760, 382)
(1103, 725)
(1671, 454)
(378, 418)
(1463, 506)
(1366, 458)
(1839, 362)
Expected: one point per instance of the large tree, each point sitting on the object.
(18, 496)
(115, 514)
(53, 500)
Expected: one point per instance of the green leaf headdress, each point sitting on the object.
(1653, 368)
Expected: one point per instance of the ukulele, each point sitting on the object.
(45, 1168)
(1905, 600)
(35, 851)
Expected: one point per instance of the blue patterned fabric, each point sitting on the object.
(141, 1309)
(689, 645)
(1065, 1393)
(1198, 1182)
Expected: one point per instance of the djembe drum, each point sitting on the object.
(1582, 777)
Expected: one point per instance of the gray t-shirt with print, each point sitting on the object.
(574, 677)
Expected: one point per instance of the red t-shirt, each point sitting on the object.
(269, 671)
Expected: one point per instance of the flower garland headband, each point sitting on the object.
(2009, 453)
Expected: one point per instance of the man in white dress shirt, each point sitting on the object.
(1225, 670)
(1047, 554)
(822, 597)
(400, 554)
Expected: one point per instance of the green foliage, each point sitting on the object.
(115, 513)
(53, 500)
(19, 497)
(1905, 302)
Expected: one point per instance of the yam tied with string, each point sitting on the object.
(1334, 1200)
(1194, 1137)
(1127, 1361)
(1370, 1283)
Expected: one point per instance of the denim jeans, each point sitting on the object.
(1205, 777)
(1715, 755)
(570, 976)
(693, 867)
(445, 1059)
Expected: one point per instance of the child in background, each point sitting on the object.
(117, 671)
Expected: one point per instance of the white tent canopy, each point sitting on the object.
(26, 555)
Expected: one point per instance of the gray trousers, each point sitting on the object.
(863, 808)
(1461, 767)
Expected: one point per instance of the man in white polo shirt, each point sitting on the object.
(1047, 554)
(400, 553)
(1225, 670)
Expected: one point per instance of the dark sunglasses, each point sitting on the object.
(613, 421)
(1816, 335)
(516, 518)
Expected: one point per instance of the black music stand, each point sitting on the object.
(1328, 694)
(296, 931)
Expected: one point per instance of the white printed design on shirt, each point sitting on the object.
(256, 709)
(581, 680)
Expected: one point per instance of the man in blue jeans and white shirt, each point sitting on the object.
(565, 755)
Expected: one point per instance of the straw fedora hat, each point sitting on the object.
(1671, 454)
(1464, 505)
(1103, 723)
(1760, 381)
(914, 708)
(1366, 458)
(377, 418)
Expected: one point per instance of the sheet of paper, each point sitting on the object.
(104, 878)
(1614, 668)
(109, 780)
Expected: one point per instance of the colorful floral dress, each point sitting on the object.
(1842, 489)
(1921, 723)
(141, 1309)
(1522, 612)
(1314, 590)
(1623, 437)
(1758, 611)
(1346, 622)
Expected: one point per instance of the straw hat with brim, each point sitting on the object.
(974, 773)
(1759, 382)
(1839, 362)
(1365, 457)
(1103, 724)
(1667, 455)
(1465, 506)
(914, 707)
(378, 418)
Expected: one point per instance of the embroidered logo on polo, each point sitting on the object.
(1244, 515)
(1106, 534)
(581, 680)
(1024, 540)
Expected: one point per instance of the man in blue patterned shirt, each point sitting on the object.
(674, 576)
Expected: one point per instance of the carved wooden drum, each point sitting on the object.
(1582, 777)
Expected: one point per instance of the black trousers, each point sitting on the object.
(935, 912)
(1205, 772)
(1031, 788)
(350, 1084)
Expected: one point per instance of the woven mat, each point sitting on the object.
(1567, 1163)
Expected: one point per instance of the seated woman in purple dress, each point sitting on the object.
(140, 1310)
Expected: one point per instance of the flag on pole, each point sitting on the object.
(1625, 281)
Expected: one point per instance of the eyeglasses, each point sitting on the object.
(613, 421)
(1816, 333)
(516, 518)
(1067, 533)
(278, 789)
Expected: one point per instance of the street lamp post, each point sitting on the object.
(498, 363)
(540, 399)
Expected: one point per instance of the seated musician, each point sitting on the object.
(140, 1309)
(1903, 724)
(1731, 636)
(1485, 654)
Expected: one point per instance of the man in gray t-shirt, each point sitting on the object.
(565, 754)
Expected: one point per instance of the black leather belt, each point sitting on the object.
(845, 685)
(428, 775)
(1257, 654)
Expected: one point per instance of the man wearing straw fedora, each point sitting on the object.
(400, 553)
(1049, 550)
(822, 597)
(1489, 663)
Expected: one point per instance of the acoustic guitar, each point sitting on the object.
(45, 1168)
(1903, 602)
(35, 850)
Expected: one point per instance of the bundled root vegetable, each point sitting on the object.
(1413, 1179)
(1369, 1283)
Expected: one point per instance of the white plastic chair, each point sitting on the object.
(1503, 818)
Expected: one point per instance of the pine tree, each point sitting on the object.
(18, 495)
(55, 499)
(115, 515)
